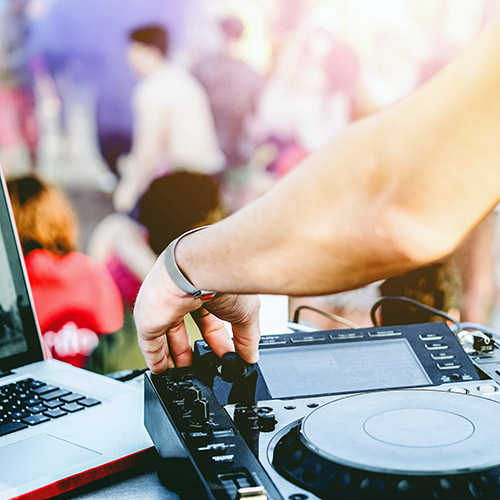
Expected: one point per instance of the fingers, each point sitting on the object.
(180, 347)
(155, 352)
(159, 317)
(242, 311)
(214, 332)
(246, 340)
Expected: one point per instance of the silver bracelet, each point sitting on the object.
(176, 274)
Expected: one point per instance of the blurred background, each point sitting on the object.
(281, 79)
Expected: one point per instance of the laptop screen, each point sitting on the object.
(19, 338)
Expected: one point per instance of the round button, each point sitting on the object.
(487, 388)
(459, 390)
(264, 410)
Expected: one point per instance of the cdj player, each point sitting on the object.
(394, 413)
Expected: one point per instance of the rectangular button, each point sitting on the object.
(44, 389)
(441, 356)
(430, 336)
(448, 366)
(308, 338)
(11, 427)
(198, 434)
(54, 394)
(223, 433)
(385, 333)
(71, 397)
(436, 346)
(272, 342)
(347, 335)
(223, 459)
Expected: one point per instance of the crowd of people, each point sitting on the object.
(192, 123)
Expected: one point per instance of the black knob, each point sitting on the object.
(233, 368)
(267, 422)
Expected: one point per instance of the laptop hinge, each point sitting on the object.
(5, 373)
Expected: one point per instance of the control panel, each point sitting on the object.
(200, 430)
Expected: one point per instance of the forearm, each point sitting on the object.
(302, 236)
(393, 192)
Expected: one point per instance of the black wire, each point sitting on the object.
(126, 375)
(335, 317)
(416, 304)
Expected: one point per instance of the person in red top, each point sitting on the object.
(76, 299)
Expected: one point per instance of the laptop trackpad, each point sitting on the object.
(39, 456)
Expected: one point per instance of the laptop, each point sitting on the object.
(60, 426)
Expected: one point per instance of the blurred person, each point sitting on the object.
(18, 120)
(438, 285)
(129, 248)
(233, 87)
(311, 92)
(75, 298)
(173, 123)
(393, 192)
(171, 205)
(81, 43)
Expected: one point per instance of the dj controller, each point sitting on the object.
(394, 413)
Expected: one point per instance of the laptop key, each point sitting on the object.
(24, 395)
(44, 389)
(37, 408)
(36, 383)
(89, 402)
(72, 407)
(70, 398)
(31, 401)
(18, 415)
(35, 419)
(54, 395)
(53, 404)
(11, 427)
(55, 413)
(14, 407)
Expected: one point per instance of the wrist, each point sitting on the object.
(177, 275)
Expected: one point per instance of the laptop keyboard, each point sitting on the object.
(31, 402)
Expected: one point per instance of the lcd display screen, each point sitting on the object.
(340, 368)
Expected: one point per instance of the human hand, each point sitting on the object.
(159, 317)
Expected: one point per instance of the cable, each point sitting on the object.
(126, 375)
(482, 328)
(335, 317)
(416, 304)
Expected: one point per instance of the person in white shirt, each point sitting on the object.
(173, 123)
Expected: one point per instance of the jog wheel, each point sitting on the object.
(407, 444)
